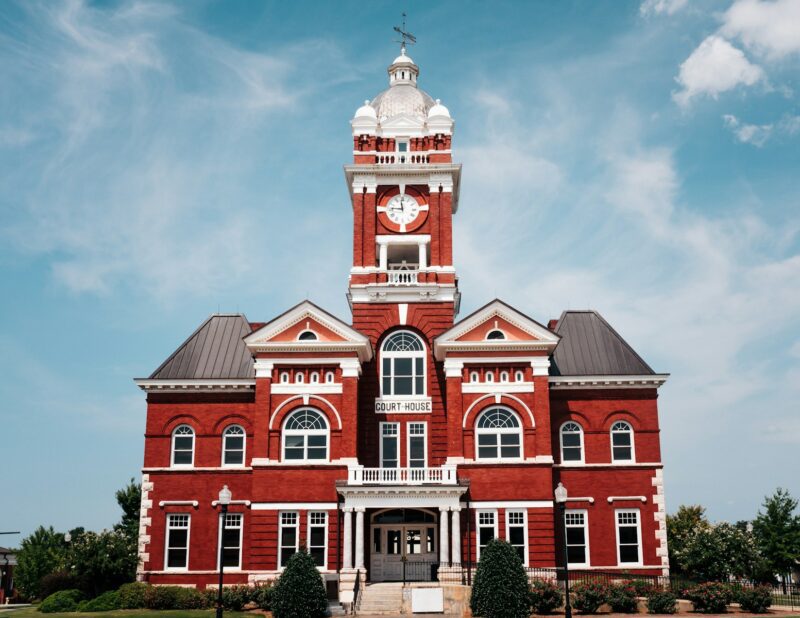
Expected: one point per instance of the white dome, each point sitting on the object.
(365, 111)
(402, 99)
(403, 59)
(438, 110)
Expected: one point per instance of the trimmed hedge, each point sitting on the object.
(588, 596)
(61, 601)
(710, 598)
(660, 602)
(131, 596)
(300, 592)
(622, 598)
(545, 596)
(500, 588)
(106, 602)
(756, 600)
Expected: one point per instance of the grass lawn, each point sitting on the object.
(32, 612)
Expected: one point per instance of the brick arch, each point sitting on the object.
(399, 327)
(578, 417)
(620, 415)
(299, 401)
(182, 419)
(490, 399)
(233, 419)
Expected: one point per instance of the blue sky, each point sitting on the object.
(160, 162)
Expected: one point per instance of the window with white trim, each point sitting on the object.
(621, 442)
(183, 446)
(571, 442)
(489, 376)
(329, 377)
(628, 537)
(517, 533)
(473, 377)
(284, 377)
(318, 537)
(315, 377)
(177, 545)
(504, 376)
(498, 434)
(305, 436)
(495, 334)
(577, 538)
(417, 445)
(299, 378)
(233, 445)
(486, 529)
(232, 541)
(288, 536)
(519, 376)
(307, 335)
(403, 365)
(390, 445)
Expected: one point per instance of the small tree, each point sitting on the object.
(681, 527)
(777, 532)
(500, 589)
(300, 592)
(41, 553)
(129, 499)
(718, 552)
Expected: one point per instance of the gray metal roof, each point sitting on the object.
(214, 351)
(590, 346)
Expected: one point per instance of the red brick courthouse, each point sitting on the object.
(403, 437)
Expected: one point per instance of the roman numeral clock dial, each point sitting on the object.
(403, 212)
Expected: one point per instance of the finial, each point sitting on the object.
(366, 101)
(438, 101)
(405, 36)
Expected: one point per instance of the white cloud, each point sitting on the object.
(658, 7)
(770, 28)
(714, 67)
(754, 134)
(790, 124)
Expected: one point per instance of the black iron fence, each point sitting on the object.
(420, 571)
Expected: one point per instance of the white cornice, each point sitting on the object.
(310, 388)
(574, 382)
(422, 292)
(363, 349)
(446, 175)
(497, 387)
(201, 385)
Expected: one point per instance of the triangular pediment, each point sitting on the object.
(496, 327)
(307, 327)
(402, 121)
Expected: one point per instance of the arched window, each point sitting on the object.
(621, 442)
(314, 377)
(307, 335)
(299, 377)
(473, 377)
(571, 442)
(402, 365)
(305, 436)
(329, 377)
(233, 443)
(284, 377)
(499, 434)
(183, 446)
(504, 376)
(519, 376)
(495, 334)
(489, 376)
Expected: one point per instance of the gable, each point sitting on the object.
(308, 323)
(496, 322)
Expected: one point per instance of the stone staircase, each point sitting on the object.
(381, 599)
(335, 609)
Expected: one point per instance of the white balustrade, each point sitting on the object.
(443, 475)
(402, 277)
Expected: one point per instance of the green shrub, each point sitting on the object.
(756, 600)
(161, 597)
(622, 598)
(262, 596)
(643, 587)
(106, 602)
(55, 582)
(661, 602)
(545, 596)
(191, 598)
(234, 598)
(588, 596)
(300, 592)
(500, 588)
(131, 596)
(61, 601)
(709, 598)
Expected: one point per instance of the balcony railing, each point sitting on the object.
(443, 475)
(402, 158)
(402, 277)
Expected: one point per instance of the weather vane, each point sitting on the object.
(406, 36)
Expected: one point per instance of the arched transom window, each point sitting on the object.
(621, 442)
(403, 365)
(183, 446)
(498, 434)
(571, 442)
(305, 436)
(233, 446)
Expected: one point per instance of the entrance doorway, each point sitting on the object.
(404, 545)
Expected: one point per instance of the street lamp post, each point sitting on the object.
(224, 501)
(561, 500)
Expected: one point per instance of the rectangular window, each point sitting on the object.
(431, 544)
(177, 541)
(403, 376)
(232, 541)
(390, 445)
(393, 538)
(417, 455)
(628, 536)
(487, 529)
(318, 537)
(517, 533)
(376, 540)
(577, 538)
(288, 536)
(413, 541)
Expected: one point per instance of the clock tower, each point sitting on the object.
(404, 190)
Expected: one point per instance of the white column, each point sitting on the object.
(383, 255)
(423, 255)
(444, 556)
(360, 538)
(456, 530)
(347, 550)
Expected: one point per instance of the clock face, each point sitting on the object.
(403, 212)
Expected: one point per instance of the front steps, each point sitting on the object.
(381, 599)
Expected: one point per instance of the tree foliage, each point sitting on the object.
(681, 527)
(129, 499)
(777, 531)
(300, 592)
(41, 553)
(500, 588)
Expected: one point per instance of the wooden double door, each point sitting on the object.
(404, 545)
